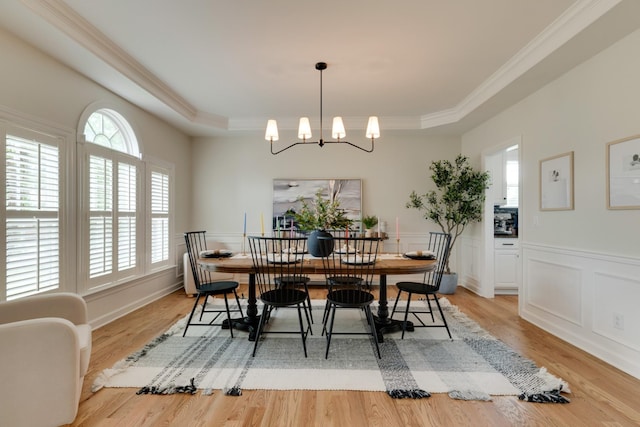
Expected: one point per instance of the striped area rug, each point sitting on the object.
(472, 366)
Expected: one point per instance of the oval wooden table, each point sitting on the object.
(385, 265)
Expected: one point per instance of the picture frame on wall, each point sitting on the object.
(288, 194)
(623, 173)
(556, 183)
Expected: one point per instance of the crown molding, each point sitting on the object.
(59, 14)
(350, 123)
(575, 19)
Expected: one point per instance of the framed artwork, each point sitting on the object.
(288, 192)
(623, 173)
(556, 183)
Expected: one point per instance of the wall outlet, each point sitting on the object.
(618, 321)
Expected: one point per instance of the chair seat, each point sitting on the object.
(350, 298)
(214, 288)
(416, 287)
(283, 297)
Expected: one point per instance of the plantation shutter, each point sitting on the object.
(32, 217)
(159, 217)
(100, 216)
(126, 216)
(112, 217)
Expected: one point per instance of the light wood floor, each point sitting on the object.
(601, 395)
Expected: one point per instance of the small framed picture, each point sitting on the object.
(623, 173)
(556, 183)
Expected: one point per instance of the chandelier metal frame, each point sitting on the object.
(373, 130)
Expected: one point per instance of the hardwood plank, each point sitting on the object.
(601, 394)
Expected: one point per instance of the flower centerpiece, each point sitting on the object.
(318, 217)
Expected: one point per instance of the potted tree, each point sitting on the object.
(456, 203)
(318, 217)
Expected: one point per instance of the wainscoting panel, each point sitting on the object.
(585, 298)
(555, 288)
(469, 269)
(617, 319)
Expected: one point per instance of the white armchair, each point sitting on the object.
(46, 347)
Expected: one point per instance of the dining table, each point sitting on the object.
(386, 264)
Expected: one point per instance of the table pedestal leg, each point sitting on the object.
(251, 320)
(383, 323)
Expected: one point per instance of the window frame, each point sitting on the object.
(91, 284)
(144, 168)
(30, 130)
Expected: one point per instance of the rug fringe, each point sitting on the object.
(187, 389)
(120, 366)
(469, 395)
(552, 382)
(471, 325)
(408, 394)
(552, 396)
(233, 391)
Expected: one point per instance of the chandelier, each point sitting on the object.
(338, 132)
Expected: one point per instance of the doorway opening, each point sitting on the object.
(502, 225)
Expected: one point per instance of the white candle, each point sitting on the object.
(397, 229)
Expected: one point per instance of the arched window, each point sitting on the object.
(120, 210)
(109, 129)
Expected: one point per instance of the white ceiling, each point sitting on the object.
(214, 66)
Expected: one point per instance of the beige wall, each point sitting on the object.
(235, 175)
(595, 103)
(35, 85)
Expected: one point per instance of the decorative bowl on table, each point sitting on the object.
(422, 255)
(217, 253)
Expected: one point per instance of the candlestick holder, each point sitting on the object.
(398, 247)
(244, 240)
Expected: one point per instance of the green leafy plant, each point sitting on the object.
(321, 214)
(369, 221)
(457, 200)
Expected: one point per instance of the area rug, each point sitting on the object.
(471, 366)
